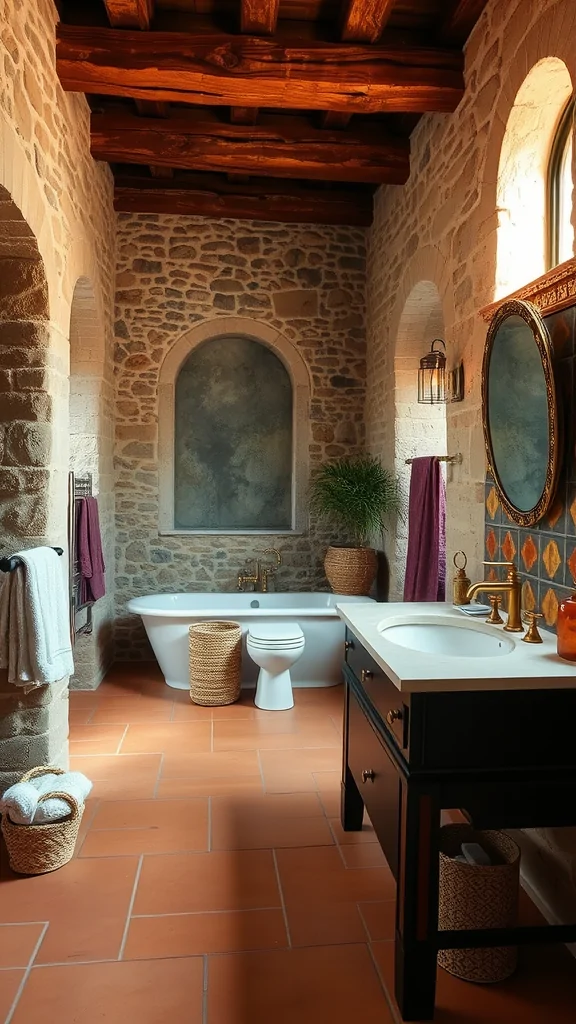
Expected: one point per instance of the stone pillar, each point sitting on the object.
(33, 729)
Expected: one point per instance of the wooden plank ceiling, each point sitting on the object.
(285, 110)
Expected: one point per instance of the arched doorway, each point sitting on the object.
(419, 429)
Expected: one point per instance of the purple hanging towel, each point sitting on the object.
(89, 551)
(426, 559)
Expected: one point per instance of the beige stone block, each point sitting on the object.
(296, 303)
(23, 289)
(28, 444)
(31, 405)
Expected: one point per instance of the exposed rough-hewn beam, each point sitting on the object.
(461, 20)
(221, 69)
(208, 196)
(158, 171)
(363, 21)
(259, 16)
(130, 13)
(244, 115)
(148, 108)
(281, 148)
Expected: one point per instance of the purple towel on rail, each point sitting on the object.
(89, 551)
(426, 559)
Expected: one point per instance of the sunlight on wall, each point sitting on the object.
(522, 175)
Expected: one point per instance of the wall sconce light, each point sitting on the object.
(437, 385)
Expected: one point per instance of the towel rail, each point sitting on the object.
(452, 459)
(79, 487)
(13, 561)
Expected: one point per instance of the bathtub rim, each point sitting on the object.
(230, 611)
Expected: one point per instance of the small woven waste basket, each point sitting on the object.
(478, 896)
(37, 849)
(215, 662)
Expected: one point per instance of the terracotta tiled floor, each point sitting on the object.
(213, 884)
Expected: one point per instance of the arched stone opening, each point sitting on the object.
(419, 429)
(521, 190)
(91, 436)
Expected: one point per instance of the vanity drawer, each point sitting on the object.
(386, 698)
(377, 779)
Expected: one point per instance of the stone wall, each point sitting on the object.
(444, 226)
(174, 273)
(56, 226)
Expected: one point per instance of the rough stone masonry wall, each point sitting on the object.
(173, 273)
(442, 227)
(64, 201)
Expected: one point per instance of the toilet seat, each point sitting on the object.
(275, 632)
(275, 647)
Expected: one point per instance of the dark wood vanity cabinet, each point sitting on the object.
(506, 758)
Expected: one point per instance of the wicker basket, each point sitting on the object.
(37, 849)
(215, 662)
(473, 896)
(351, 570)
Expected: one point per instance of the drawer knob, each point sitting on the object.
(365, 675)
(348, 645)
(368, 775)
(394, 716)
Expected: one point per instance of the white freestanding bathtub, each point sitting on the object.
(166, 618)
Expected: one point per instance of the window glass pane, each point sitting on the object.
(233, 438)
(565, 229)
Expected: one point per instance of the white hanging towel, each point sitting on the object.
(35, 643)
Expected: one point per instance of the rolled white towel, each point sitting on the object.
(74, 783)
(20, 802)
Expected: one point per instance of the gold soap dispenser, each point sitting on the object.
(461, 581)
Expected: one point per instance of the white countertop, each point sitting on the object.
(526, 667)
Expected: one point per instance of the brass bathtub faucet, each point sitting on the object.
(512, 586)
(259, 576)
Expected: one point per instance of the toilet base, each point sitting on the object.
(274, 692)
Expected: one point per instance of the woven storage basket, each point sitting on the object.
(215, 662)
(37, 849)
(351, 571)
(472, 896)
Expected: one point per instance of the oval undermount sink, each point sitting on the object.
(434, 635)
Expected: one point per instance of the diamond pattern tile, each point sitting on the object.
(492, 503)
(529, 553)
(571, 562)
(551, 558)
(508, 547)
(491, 544)
(550, 608)
(573, 511)
(528, 597)
(555, 512)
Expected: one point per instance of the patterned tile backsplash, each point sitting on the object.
(545, 554)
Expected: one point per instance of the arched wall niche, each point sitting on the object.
(522, 177)
(288, 354)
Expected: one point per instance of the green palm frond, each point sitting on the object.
(356, 495)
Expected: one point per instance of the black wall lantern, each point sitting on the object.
(436, 384)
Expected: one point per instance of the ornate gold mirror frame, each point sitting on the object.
(530, 315)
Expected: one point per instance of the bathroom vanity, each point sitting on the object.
(491, 732)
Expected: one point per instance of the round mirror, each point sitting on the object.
(520, 412)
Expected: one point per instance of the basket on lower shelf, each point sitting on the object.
(37, 849)
(478, 896)
(215, 662)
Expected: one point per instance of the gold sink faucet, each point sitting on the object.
(512, 586)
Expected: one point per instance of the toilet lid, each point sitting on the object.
(276, 631)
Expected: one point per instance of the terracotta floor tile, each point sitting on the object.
(9, 985)
(95, 739)
(335, 984)
(325, 924)
(115, 686)
(201, 882)
(147, 826)
(224, 764)
(141, 710)
(148, 992)
(328, 698)
(263, 806)
(125, 777)
(289, 782)
(308, 759)
(541, 991)
(328, 786)
(86, 903)
(172, 737)
(244, 822)
(316, 875)
(273, 735)
(189, 712)
(219, 785)
(78, 715)
(363, 855)
(193, 934)
(82, 699)
(17, 943)
(379, 919)
(366, 835)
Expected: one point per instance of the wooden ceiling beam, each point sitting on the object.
(208, 196)
(244, 115)
(259, 17)
(280, 148)
(148, 108)
(364, 21)
(222, 69)
(461, 20)
(130, 13)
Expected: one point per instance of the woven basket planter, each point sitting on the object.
(472, 896)
(351, 571)
(215, 662)
(37, 849)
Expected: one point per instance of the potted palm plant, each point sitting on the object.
(356, 495)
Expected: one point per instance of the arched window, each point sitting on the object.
(560, 230)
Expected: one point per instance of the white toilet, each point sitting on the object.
(274, 647)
